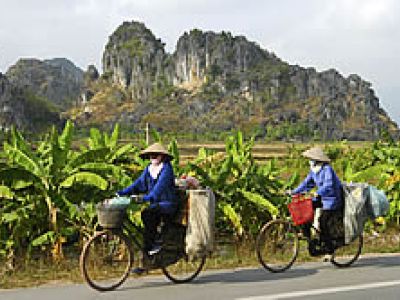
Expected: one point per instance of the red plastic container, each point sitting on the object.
(301, 209)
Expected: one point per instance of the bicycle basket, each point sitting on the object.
(301, 209)
(110, 217)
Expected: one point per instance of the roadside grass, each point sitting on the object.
(36, 272)
(41, 271)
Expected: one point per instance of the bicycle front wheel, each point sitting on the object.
(185, 269)
(346, 255)
(106, 260)
(277, 245)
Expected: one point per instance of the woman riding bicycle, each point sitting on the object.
(158, 182)
(329, 197)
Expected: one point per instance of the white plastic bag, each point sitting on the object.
(377, 205)
(200, 228)
(355, 211)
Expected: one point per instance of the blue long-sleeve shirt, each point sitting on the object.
(328, 186)
(160, 191)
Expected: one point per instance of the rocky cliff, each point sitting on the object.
(57, 80)
(136, 60)
(34, 93)
(219, 82)
(24, 110)
(11, 105)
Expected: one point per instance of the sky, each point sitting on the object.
(351, 36)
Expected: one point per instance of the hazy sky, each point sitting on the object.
(352, 36)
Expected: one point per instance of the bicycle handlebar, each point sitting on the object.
(137, 198)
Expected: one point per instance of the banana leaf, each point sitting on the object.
(232, 216)
(260, 201)
(5, 192)
(85, 178)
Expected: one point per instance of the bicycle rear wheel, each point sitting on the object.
(185, 269)
(277, 245)
(106, 260)
(347, 254)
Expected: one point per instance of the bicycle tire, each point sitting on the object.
(106, 260)
(347, 260)
(185, 269)
(271, 240)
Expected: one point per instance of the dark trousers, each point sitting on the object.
(151, 217)
(331, 227)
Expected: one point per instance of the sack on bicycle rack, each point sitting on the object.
(110, 216)
(182, 215)
(355, 209)
(200, 228)
(301, 209)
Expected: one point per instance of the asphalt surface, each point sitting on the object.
(376, 277)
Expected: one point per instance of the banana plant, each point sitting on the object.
(248, 194)
(51, 170)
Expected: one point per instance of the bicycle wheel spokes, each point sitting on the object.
(106, 260)
(277, 245)
(185, 269)
(348, 254)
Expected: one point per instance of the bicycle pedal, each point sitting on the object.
(327, 258)
(139, 271)
(154, 250)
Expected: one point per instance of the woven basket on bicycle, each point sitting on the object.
(110, 216)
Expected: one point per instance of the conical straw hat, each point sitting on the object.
(316, 153)
(156, 148)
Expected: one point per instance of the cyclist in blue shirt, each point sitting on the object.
(158, 182)
(328, 196)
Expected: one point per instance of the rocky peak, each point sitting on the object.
(91, 73)
(339, 107)
(135, 59)
(67, 68)
(57, 80)
(22, 109)
(208, 55)
(91, 76)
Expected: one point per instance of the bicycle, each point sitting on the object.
(277, 246)
(108, 256)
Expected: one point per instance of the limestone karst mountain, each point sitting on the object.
(212, 82)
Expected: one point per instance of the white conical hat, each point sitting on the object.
(156, 148)
(316, 153)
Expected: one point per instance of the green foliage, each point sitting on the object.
(44, 185)
(48, 191)
(196, 33)
(288, 130)
(134, 47)
(42, 113)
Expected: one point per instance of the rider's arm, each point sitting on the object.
(139, 186)
(306, 185)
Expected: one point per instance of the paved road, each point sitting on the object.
(369, 278)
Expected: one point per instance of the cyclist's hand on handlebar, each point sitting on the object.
(288, 192)
(137, 198)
